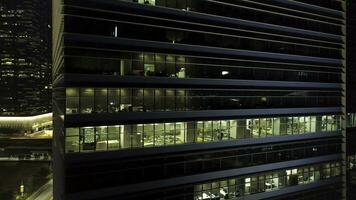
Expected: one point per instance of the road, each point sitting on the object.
(44, 192)
(16, 159)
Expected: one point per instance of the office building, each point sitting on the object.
(25, 70)
(193, 99)
(351, 99)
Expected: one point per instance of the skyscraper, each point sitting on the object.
(25, 70)
(193, 99)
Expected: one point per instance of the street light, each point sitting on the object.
(22, 188)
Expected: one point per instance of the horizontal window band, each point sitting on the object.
(101, 41)
(88, 156)
(69, 52)
(338, 72)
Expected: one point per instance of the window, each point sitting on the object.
(106, 138)
(125, 135)
(243, 128)
(313, 124)
(295, 125)
(290, 125)
(88, 139)
(284, 128)
(137, 101)
(114, 137)
(308, 124)
(138, 134)
(114, 100)
(323, 121)
(72, 100)
(216, 131)
(225, 128)
(72, 140)
(276, 126)
(180, 133)
(149, 136)
(233, 129)
(159, 99)
(147, 2)
(247, 185)
(170, 100)
(170, 133)
(256, 129)
(148, 100)
(199, 134)
(325, 171)
(180, 100)
(101, 100)
(102, 138)
(87, 100)
(266, 127)
(125, 99)
(208, 131)
(159, 134)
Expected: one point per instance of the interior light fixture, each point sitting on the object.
(225, 73)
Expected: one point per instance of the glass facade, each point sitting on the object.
(99, 100)
(128, 63)
(153, 91)
(107, 138)
(242, 186)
